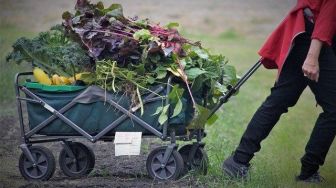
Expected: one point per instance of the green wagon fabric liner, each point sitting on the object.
(53, 88)
(92, 113)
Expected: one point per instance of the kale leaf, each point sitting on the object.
(53, 52)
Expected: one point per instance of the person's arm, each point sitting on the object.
(325, 24)
(310, 67)
(324, 31)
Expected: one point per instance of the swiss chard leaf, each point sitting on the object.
(212, 119)
(200, 52)
(142, 35)
(175, 94)
(200, 118)
(172, 25)
(194, 73)
(164, 115)
(178, 108)
(230, 75)
(115, 10)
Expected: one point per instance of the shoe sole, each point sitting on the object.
(228, 172)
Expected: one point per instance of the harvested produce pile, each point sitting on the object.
(100, 46)
(53, 52)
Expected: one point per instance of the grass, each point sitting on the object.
(278, 161)
(8, 34)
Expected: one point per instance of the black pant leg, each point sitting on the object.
(324, 131)
(284, 94)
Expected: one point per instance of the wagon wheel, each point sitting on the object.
(157, 170)
(198, 163)
(44, 167)
(82, 163)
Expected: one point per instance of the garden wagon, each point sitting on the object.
(63, 113)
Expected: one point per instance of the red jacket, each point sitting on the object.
(275, 50)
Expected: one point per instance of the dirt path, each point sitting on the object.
(254, 18)
(110, 171)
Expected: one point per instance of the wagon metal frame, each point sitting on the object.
(28, 138)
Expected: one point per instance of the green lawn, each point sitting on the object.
(276, 164)
(8, 34)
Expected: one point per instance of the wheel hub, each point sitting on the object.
(164, 171)
(80, 163)
(159, 168)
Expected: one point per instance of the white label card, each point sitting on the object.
(127, 143)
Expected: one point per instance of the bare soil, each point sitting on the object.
(110, 171)
(254, 18)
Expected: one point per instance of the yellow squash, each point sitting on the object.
(78, 76)
(65, 80)
(41, 76)
(56, 79)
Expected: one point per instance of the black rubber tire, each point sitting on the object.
(93, 159)
(199, 163)
(45, 167)
(153, 164)
(82, 165)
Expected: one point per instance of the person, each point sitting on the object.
(302, 48)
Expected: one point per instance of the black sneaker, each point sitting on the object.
(234, 169)
(315, 178)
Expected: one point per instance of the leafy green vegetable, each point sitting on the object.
(200, 117)
(51, 51)
(142, 34)
(177, 109)
(200, 52)
(230, 75)
(115, 10)
(164, 115)
(194, 72)
(172, 25)
(175, 98)
(212, 119)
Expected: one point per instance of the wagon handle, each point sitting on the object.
(18, 102)
(18, 75)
